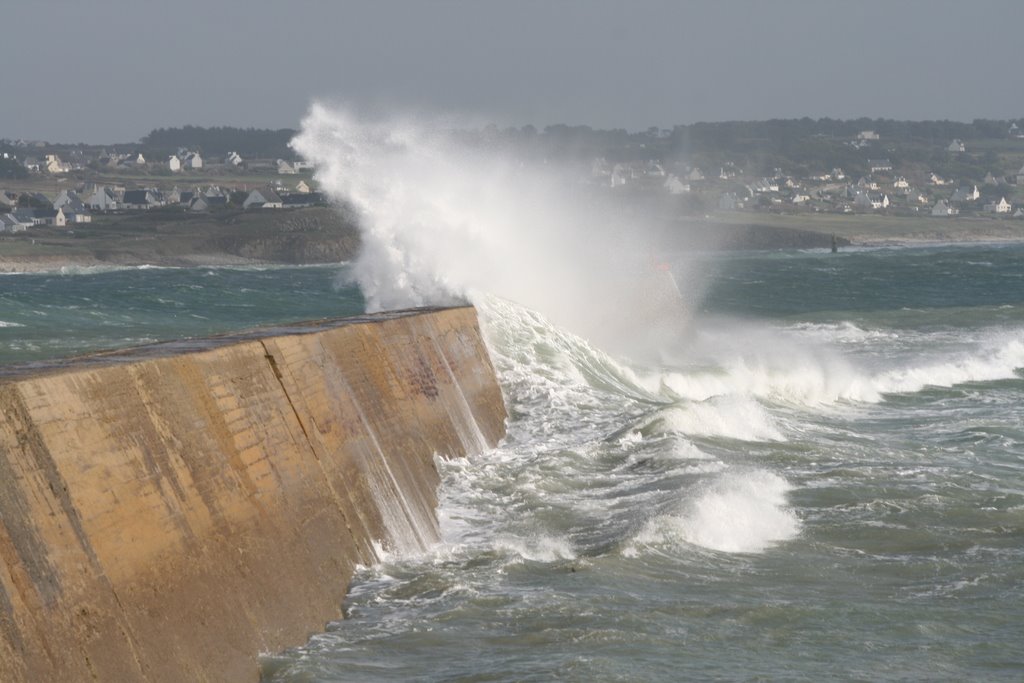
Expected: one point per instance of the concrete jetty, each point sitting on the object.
(168, 512)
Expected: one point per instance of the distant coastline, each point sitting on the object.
(270, 237)
(231, 196)
(295, 236)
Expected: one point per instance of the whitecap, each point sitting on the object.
(738, 512)
(732, 417)
(999, 360)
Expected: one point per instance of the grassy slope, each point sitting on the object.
(311, 235)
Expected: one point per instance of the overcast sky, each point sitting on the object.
(111, 70)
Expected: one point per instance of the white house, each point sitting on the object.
(866, 183)
(676, 186)
(202, 203)
(68, 200)
(964, 194)
(174, 163)
(302, 187)
(654, 169)
(141, 199)
(915, 197)
(936, 179)
(53, 164)
(11, 223)
(233, 159)
(764, 185)
(942, 208)
(956, 146)
(41, 217)
(879, 165)
(263, 198)
(695, 174)
(600, 168)
(103, 199)
(193, 161)
(868, 200)
(285, 168)
(77, 217)
(729, 202)
(867, 135)
(900, 183)
(1002, 206)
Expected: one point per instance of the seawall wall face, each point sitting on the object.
(169, 512)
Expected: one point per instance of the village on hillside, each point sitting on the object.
(94, 182)
(884, 187)
(140, 185)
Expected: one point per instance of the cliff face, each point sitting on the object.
(167, 513)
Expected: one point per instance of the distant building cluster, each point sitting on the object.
(19, 212)
(184, 160)
(882, 188)
(884, 180)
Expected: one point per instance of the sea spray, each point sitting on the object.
(443, 220)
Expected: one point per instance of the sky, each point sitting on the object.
(104, 71)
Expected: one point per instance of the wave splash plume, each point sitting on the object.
(444, 220)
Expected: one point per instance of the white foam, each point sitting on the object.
(999, 359)
(808, 375)
(730, 416)
(802, 377)
(541, 548)
(844, 332)
(738, 512)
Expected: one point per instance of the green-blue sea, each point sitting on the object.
(819, 476)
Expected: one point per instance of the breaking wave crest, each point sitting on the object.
(737, 512)
(999, 359)
(731, 417)
(815, 375)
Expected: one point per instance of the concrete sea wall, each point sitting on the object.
(169, 512)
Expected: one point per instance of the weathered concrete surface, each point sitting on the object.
(168, 512)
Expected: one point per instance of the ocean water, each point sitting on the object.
(76, 310)
(817, 473)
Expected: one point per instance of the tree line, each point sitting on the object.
(798, 144)
(260, 143)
